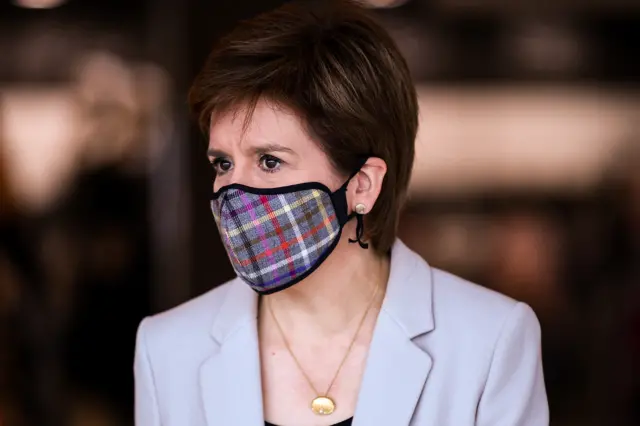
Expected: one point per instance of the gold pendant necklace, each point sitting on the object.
(322, 404)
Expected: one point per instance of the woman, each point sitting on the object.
(312, 115)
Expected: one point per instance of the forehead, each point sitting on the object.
(267, 123)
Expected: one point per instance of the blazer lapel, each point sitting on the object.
(230, 378)
(397, 368)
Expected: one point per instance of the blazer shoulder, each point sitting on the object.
(187, 320)
(465, 295)
(465, 307)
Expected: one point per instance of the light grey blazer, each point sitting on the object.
(444, 352)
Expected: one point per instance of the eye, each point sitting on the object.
(221, 165)
(269, 163)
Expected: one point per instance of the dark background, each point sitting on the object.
(130, 233)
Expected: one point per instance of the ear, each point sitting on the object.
(365, 187)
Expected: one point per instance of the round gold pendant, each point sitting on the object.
(323, 405)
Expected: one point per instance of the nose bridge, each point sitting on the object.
(243, 172)
(240, 174)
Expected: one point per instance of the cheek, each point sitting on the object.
(313, 172)
(222, 180)
(317, 167)
(253, 176)
(327, 174)
(218, 181)
(329, 178)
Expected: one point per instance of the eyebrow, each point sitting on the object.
(215, 153)
(258, 149)
(271, 147)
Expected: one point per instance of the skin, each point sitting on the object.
(320, 314)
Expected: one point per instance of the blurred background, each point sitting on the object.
(527, 180)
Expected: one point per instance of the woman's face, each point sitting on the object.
(273, 151)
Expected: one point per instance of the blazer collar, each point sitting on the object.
(230, 378)
(397, 368)
(239, 308)
(409, 298)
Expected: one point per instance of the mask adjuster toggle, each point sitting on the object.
(359, 231)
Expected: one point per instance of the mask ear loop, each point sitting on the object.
(359, 216)
(359, 232)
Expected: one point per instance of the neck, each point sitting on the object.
(336, 293)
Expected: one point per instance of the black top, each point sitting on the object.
(346, 422)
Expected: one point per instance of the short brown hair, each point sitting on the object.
(335, 66)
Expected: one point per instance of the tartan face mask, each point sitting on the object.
(275, 237)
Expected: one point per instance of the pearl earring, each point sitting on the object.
(360, 208)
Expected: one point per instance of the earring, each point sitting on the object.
(360, 208)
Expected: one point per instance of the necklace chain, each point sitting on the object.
(344, 358)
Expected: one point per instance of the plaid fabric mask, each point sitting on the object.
(275, 237)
